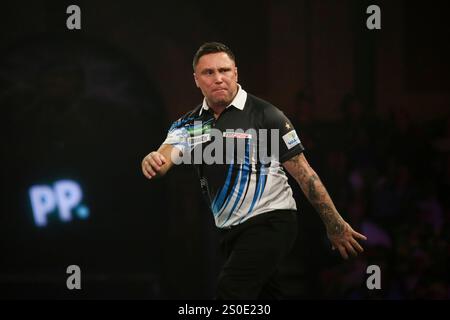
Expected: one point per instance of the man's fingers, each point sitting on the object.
(149, 168)
(343, 252)
(144, 171)
(159, 159)
(350, 249)
(153, 164)
(356, 245)
(348, 244)
(155, 159)
(162, 158)
(150, 171)
(359, 235)
(147, 171)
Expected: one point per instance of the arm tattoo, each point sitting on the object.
(321, 201)
(299, 170)
(317, 195)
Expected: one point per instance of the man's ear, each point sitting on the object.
(195, 79)
(236, 71)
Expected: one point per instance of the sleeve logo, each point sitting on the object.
(291, 139)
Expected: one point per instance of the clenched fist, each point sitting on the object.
(157, 163)
(153, 164)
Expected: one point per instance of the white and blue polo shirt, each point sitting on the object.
(246, 183)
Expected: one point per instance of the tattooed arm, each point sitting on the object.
(341, 235)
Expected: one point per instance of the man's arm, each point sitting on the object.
(157, 163)
(341, 235)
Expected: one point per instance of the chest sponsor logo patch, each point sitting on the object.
(291, 139)
(237, 135)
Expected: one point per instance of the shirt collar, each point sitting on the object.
(238, 101)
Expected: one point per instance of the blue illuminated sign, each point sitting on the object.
(63, 198)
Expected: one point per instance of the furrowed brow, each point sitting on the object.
(207, 70)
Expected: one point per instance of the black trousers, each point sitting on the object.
(253, 251)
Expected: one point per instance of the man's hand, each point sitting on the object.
(341, 235)
(152, 164)
(345, 240)
(157, 163)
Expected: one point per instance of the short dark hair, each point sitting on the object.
(211, 47)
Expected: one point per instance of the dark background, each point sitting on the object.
(370, 106)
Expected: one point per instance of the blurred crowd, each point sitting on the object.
(389, 178)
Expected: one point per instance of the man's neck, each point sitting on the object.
(217, 110)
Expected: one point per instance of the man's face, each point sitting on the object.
(216, 76)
